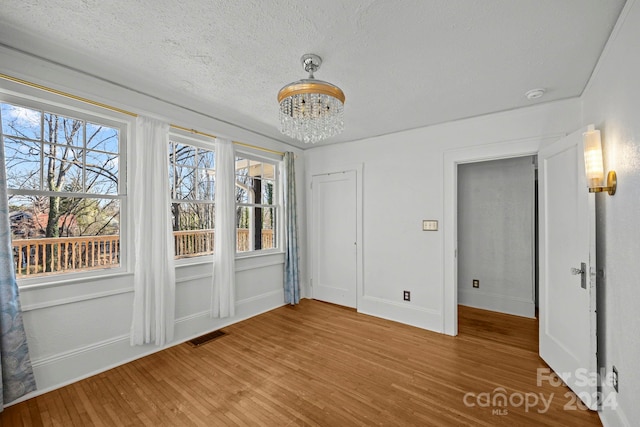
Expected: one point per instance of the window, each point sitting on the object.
(192, 184)
(65, 184)
(256, 204)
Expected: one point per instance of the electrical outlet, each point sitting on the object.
(407, 295)
(476, 283)
(614, 378)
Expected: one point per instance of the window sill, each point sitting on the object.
(68, 279)
(188, 262)
(256, 254)
(246, 261)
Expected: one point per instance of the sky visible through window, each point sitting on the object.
(63, 179)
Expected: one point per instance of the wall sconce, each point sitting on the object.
(594, 165)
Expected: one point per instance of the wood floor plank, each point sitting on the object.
(318, 364)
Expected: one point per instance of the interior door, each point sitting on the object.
(334, 238)
(567, 267)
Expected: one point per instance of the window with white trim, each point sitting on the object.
(65, 179)
(192, 179)
(257, 207)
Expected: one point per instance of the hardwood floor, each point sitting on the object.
(321, 364)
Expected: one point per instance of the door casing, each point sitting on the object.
(359, 169)
(452, 158)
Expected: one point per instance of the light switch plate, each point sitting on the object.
(429, 225)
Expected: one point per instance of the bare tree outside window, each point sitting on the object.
(192, 185)
(63, 180)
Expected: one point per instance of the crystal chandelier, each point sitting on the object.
(311, 110)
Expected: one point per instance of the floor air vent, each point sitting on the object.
(203, 339)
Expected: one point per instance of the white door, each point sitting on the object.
(567, 247)
(334, 238)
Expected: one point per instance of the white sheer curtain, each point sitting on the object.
(154, 280)
(224, 275)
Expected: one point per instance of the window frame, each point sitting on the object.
(278, 205)
(205, 143)
(89, 114)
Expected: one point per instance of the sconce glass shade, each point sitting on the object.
(593, 157)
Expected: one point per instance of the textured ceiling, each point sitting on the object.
(402, 64)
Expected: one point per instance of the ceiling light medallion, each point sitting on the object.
(311, 110)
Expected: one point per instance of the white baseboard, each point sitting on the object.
(611, 414)
(499, 303)
(613, 418)
(401, 312)
(67, 367)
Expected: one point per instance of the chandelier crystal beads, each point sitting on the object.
(311, 110)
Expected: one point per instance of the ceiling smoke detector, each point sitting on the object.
(534, 94)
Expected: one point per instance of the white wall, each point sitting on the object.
(80, 328)
(496, 235)
(612, 102)
(76, 329)
(404, 183)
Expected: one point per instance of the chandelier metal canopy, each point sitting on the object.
(311, 110)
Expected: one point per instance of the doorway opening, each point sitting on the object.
(497, 249)
(452, 160)
(497, 235)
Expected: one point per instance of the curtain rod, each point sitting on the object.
(244, 144)
(122, 111)
(67, 95)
